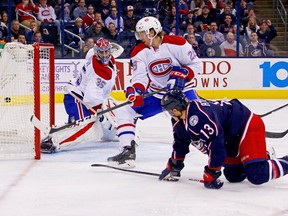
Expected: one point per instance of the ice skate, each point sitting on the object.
(126, 158)
(47, 146)
(271, 153)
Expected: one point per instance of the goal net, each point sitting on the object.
(26, 88)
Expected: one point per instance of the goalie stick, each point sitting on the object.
(49, 130)
(137, 171)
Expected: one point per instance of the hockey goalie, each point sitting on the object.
(86, 95)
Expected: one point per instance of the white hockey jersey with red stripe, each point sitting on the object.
(152, 67)
(95, 82)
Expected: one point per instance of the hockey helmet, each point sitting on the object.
(144, 25)
(102, 50)
(174, 99)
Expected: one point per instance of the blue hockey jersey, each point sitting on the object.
(213, 127)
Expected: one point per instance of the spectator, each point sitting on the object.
(113, 3)
(88, 45)
(3, 30)
(196, 4)
(114, 19)
(254, 48)
(226, 11)
(37, 37)
(194, 43)
(246, 17)
(113, 34)
(266, 32)
(228, 47)
(205, 18)
(89, 18)
(79, 30)
(208, 48)
(227, 26)
(130, 20)
(46, 14)
(251, 26)
(48, 37)
(170, 19)
(95, 32)
(215, 7)
(191, 30)
(98, 18)
(16, 29)
(81, 10)
(189, 19)
(232, 9)
(242, 39)
(4, 18)
(30, 34)
(21, 38)
(163, 7)
(104, 8)
(30, 9)
(217, 37)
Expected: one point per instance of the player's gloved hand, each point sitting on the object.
(177, 78)
(211, 178)
(172, 171)
(135, 96)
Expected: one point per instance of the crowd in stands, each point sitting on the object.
(210, 26)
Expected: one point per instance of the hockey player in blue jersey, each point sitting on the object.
(228, 132)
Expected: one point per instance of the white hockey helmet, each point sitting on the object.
(145, 24)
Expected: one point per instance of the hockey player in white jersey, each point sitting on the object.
(159, 61)
(92, 86)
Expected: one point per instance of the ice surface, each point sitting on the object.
(64, 184)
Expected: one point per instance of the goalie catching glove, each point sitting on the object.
(135, 95)
(172, 171)
(211, 178)
(177, 78)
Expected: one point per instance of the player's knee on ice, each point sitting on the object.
(257, 173)
(234, 173)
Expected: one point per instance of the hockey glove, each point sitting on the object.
(177, 78)
(172, 170)
(211, 178)
(135, 96)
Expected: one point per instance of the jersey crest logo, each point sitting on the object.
(193, 120)
(160, 67)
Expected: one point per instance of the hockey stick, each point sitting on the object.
(138, 172)
(49, 130)
(270, 112)
(126, 170)
(276, 134)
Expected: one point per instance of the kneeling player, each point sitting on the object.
(228, 132)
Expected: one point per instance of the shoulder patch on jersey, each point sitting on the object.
(174, 39)
(137, 49)
(193, 120)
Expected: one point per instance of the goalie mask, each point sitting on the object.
(144, 25)
(174, 99)
(102, 50)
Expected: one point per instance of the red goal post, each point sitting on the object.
(27, 87)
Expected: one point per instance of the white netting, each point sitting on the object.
(17, 99)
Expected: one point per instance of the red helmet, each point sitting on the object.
(102, 50)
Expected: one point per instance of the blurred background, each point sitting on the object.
(215, 28)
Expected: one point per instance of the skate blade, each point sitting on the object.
(128, 164)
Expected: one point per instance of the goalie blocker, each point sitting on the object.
(101, 127)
